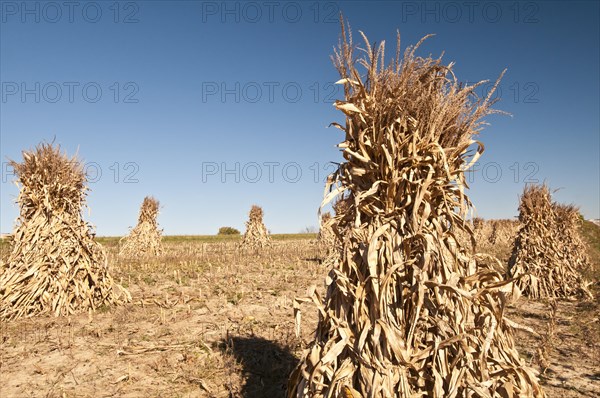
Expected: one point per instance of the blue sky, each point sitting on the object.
(214, 106)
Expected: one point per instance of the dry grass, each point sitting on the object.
(54, 266)
(548, 339)
(408, 312)
(208, 320)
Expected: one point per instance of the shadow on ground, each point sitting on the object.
(266, 365)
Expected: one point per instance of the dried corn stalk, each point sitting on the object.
(503, 231)
(548, 341)
(55, 265)
(407, 312)
(326, 237)
(338, 226)
(571, 245)
(256, 235)
(145, 238)
(542, 258)
(467, 235)
(482, 229)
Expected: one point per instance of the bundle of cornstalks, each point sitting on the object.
(145, 238)
(326, 237)
(55, 265)
(571, 246)
(542, 257)
(338, 226)
(467, 235)
(256, 235)
(503, 231)
(482, 229)
(407, 311)
(478, 223)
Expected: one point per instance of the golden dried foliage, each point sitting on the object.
(146, 238)
(408, 312)
(55, 265)
(503, 231)
(256, 235)
(326, 237)
(482, 229)
(571, 245)
(543, 258)
(548, 340)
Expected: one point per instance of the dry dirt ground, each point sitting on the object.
(210, 321)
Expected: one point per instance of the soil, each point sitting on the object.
(209, 320)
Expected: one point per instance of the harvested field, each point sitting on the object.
(209, 320)
(391, 143)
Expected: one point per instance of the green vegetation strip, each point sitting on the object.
(114, 240)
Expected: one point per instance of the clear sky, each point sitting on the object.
(214, 106)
